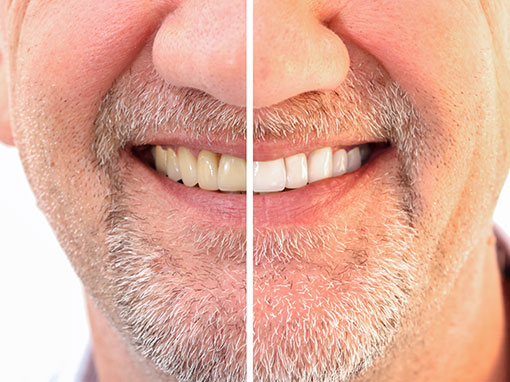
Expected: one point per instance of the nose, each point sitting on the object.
(294, 52)
(202, 45)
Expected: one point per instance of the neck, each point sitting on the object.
(113, 359)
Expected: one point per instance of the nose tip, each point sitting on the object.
(202, 44)
(294, 52)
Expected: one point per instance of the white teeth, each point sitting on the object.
(320, 164)
(340, 162)
(227, 173)
(188, 166)
(159, 155)
(172, 165)
(353, 160)
(269, 176)
(231, 173)
(297, 171)
(207, 168)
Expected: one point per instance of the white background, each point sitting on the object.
(43, 326)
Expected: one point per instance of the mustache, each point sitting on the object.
(369, 105)
(142, 103)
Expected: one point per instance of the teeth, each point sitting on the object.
(320, 164)
(297, 171)
(269, 176)
(188, 166)
(207, 168)
(172, 165)
(227, 173)
(353, 160)
(160, 156)
(232, 173)
(340, 162)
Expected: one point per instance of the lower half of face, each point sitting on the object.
(334, 273)
(336, 263)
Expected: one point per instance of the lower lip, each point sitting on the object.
(301, 206)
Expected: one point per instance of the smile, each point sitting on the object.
(226, 173)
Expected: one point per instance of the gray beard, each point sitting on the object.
(331, 324)
(343, 321)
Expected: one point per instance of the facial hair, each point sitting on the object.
(330, 323)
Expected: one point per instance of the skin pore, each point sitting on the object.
(395, 282)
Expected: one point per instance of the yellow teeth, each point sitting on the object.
(172, 165)
(160, 156)
(208, 170)
(187, 166)
(232, 173)
(223, 172)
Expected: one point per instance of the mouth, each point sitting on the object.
(225, 173)
(300, 188)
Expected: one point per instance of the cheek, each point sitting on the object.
(68, 54)
(441, 54)
(77, 48)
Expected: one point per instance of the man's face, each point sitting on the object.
(343, 266)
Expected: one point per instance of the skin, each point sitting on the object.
(450, 58)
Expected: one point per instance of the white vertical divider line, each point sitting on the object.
(249, 190)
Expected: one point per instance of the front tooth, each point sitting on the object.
(231, 173)
(207, 170)
(172, 165)
(320, 164)
(159, 155)
(297, 171)
(353, 159)
(187, 166)
(340, 162)
(269, 176)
